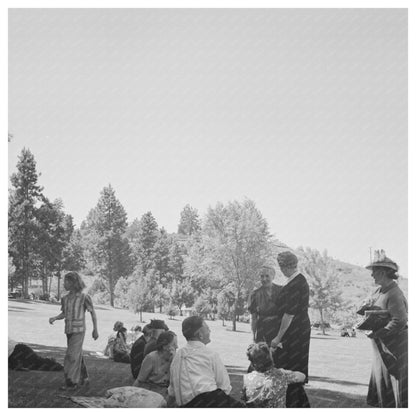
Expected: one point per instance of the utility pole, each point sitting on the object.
(371, 256)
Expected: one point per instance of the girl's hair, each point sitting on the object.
(122, 333)
(76, 280)
(259, 356)
(165, 338)
(391, 274)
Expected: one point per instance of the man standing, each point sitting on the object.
(262, 306)
(291, 344)
(198, 377)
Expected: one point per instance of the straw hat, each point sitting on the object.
(380, 260)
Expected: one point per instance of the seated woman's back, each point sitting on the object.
(268, 389)
(267, 385)
(155, 369)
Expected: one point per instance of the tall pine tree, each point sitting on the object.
(144, 244)
(189, 222)
(106, 245)
(23, 198)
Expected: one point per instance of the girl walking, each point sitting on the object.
(73, 308)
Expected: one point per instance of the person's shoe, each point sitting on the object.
(85, 383)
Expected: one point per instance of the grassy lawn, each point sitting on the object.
(339, 367)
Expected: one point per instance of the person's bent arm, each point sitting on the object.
(254, 319)
(285, 324)
(221, 375)
(56, 318)
(94, 323)
(298, 377)
(145, 370)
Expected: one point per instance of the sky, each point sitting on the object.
(303, 111)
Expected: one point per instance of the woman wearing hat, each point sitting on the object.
(291, 344)
(388, 382)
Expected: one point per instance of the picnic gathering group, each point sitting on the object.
(195, 376)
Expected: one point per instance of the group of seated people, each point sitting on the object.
(120, 342)
(195, 376)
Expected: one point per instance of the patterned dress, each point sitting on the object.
(267, 389)
(74, 305)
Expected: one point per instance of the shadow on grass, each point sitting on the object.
(19, 308)
(238, 330)
(40, 388)
(335, 381)
(324, 337)
(328, 398)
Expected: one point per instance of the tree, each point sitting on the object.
(161, 257)
(181, 294)
(73, 253)
(171, 311)
(237, 240)
(176, 262)
(143, 247)
(106, 245)
(11, 271)
(324, 282)
(139, 296)
(202, 307)
(23, 199)
(51, 240)
(200, 265)
(189, 222)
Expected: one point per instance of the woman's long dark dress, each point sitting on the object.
(294, 300)
(389, 376)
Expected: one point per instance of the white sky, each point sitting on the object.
(303, 111)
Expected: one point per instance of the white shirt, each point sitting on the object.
(196, 369)
(292, 276)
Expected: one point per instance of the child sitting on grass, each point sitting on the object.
(266, 386)
(73, 308)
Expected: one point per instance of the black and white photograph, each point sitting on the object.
(207, 206)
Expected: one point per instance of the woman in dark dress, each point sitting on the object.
(291, 345)
(389, 374)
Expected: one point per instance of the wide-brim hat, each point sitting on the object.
(386, 262)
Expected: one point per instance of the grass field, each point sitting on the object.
(339, 367)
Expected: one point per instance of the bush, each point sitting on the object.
(171, 311)
(101, 298)
(201, 307)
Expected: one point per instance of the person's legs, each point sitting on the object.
(73, 362)
(216, 398)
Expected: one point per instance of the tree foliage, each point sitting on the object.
(189, 221)
(145, 240)
(325, 291)
(24, 197)
(236, 237)
(106, 245)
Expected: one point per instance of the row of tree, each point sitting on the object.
(208, 264)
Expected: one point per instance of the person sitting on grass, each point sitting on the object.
(157, 326)
(266, 386)
(155, 370)
(73, 308)
(137, 351)
(121, 353)
(198, 378)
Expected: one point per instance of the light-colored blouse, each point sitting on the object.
(155, 369)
